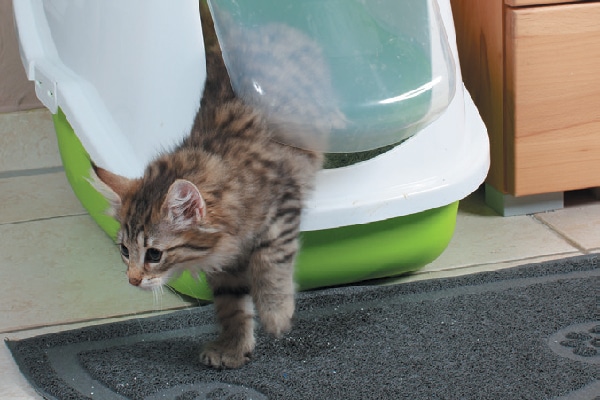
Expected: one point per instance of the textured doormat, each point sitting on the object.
(530, 332)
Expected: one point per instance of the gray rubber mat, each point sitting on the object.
(530, 332)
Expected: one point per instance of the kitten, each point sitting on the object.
(226, 202)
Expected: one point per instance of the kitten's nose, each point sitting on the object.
(135, 281)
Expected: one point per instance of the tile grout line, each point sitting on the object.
(561, 235)
(526, 260)
(95, 320)
(44, 219)
(30, 172)
(107, 319)
(148, 313)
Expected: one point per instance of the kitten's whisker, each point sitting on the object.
(162, 295)
(140, 324)
(157, 292)
(197, 302)
(176, 293)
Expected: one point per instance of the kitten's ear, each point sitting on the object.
(111, 186)
(184, 206)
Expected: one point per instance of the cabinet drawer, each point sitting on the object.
(552, 97)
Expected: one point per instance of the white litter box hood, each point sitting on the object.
(129, 81)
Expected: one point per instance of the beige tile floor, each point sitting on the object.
(59, 271)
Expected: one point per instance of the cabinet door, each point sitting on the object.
(552, 97)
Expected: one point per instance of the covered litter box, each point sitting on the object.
(124, 78)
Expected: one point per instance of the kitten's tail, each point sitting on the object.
(217, 85)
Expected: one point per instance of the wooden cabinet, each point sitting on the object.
(16, 92)
(533, 68)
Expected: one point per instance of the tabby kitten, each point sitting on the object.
(226, 202)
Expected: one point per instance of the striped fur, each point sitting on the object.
(226, 202)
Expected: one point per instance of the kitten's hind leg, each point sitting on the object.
(235, 313)
(273, 288)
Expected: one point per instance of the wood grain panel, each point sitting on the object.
(479, 37)
(520, 3)
(16, 92)
(552, 99)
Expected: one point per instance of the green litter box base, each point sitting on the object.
(328, 257)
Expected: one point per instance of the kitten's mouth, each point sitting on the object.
(157, 288)
(151, 284)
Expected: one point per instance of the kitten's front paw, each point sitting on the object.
(276, 317)
(277, 324)
(218, 356)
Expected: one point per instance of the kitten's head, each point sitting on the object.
(164, 226)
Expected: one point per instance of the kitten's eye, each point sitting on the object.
(124, 251)
(153, 255)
